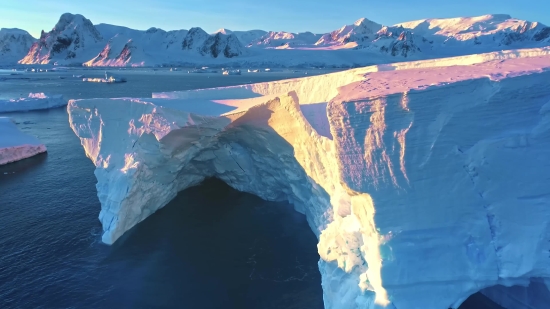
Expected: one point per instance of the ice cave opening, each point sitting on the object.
(214, 240)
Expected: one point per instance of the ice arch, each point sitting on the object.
(403, 171)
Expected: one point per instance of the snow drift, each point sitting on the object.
(16, 145)
(35, 101)
(425, 182)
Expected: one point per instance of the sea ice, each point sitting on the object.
(424, 181)
(35, 101)
(16, 145)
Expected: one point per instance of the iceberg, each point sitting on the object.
(203, 70)
(16, 145)
(35, 101)
(231, 72)
(424, 181)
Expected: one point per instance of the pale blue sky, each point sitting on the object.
(289, 15)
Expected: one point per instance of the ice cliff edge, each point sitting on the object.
(424, 181)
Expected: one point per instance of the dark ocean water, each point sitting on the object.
(211, 247)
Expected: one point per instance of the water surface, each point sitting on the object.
(211, 247)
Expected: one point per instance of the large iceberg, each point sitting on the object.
(425, 181)
(34, 101)
(16, 145)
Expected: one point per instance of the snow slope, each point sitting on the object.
(16, 145)
(365, 154)
(129, 47)
(14, 45)
(34, 101)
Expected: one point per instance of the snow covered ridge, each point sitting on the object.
(365, 155)
(16, 145)
(35, 101)
(76, 41)
(14, 44)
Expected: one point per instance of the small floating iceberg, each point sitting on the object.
(109, 78)
(35, 101)
(203, 70)
(232, 72)
(16, 145)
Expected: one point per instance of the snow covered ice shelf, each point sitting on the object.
(16, 145)
(34, 101)
(424, 181)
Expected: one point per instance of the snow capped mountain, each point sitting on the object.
(222, 45)
(360, 31)
(279, 39)
(396, 41)
(75, 40)
(216, 45)
(70, 41)
(129, 47)
(194, 39)
(491, 31)
(14, 44)
(246, 37)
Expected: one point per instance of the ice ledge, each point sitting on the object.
(371, 189)
(34, 101)
(16, 145)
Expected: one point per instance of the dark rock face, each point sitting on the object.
(233, 48)
(193, 38)
(221, 44)
(60, 44)
(104, 54)
(126, 52)
(543, 34)
(402, 45)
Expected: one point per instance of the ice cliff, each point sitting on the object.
(34, 101)
(424, 181)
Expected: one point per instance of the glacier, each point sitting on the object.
(16, 145)
(424, 181)
(34, 101)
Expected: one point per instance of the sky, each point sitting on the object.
(318, 16)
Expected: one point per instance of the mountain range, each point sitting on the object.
(75, 40)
